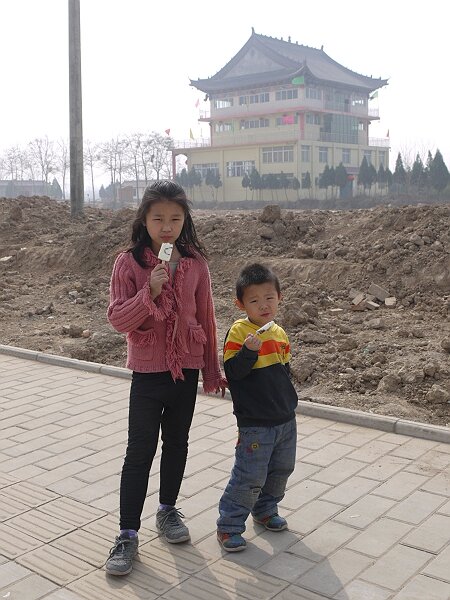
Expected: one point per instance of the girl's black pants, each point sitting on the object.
(157, 403)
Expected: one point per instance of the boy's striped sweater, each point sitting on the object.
(260, 384)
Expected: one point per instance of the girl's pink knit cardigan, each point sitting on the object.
(176, 331)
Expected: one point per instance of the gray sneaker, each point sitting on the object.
(120, 561)
(169, 524)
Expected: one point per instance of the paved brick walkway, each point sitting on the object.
(368, 511)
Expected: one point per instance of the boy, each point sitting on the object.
(264, 402)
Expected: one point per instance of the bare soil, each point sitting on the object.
(54, 287)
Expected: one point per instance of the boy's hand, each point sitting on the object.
(252, 342)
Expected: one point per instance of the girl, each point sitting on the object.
(168, 316)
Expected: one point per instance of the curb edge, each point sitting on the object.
(385, 423)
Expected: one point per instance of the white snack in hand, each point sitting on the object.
(265, 327)
(165, 251)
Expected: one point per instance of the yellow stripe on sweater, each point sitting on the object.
(275, 348)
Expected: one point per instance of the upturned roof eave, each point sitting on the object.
(210, 86)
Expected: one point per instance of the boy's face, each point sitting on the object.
(260, 302)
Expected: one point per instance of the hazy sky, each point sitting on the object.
(138, 56)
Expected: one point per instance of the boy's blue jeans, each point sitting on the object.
(264, 459)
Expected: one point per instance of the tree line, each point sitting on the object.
(143, 157)
(137, 156)
(190, 179)
(418, 178)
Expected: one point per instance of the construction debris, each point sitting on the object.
(366, 301)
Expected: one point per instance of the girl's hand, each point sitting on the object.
(252, 342)
(222, 387)
(158, 277)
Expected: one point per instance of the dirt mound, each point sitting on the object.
(54, 279)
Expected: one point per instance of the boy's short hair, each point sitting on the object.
(255, 274)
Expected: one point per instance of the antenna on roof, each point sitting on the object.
(289, 38)
(321, 47)
(253, 30)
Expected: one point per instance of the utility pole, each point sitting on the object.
(75, 109)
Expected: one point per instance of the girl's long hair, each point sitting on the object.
(187, 243)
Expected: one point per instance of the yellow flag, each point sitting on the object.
(191, 135)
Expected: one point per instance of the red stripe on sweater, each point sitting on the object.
(268, 347)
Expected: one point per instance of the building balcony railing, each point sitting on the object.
(383, 142)
(249, 110)
(198, 143)
(339, 138)
(261, 137)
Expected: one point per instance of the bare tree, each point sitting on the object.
(42, 150)
(108, 158)
(62, 163)
(111, 156)
(146, 153)
(91, 158)
(167, 168)
(30, 166)
(160, 148)
(122, 164)
(14, 164)
(133, 153)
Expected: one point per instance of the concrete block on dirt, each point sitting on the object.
(358, 299)
(378, 292)
(371, 305)
(391, 302)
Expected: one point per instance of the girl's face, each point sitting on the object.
(164, 222)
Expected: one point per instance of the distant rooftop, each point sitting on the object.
(264, 61)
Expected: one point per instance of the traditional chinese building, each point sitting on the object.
(287, 110)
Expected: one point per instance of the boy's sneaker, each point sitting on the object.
(272, 522)
(169, 524)
(231, 542)
(120, 561)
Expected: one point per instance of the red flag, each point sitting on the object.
(167, 131)
(197, 104)
(287, 119)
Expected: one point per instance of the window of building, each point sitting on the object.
(313, 93)
(254, 123)
(382, 157)
(312, 119)
(306, 153)
(361, 126)
(286, 120)
(368, 156)
(221, 127)
(278, 154)
(237, 168)
(323, 154)
(358, 101)
(346, 156)
(204, 167)
(254, 98)
(286, 94)
(223, 102)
